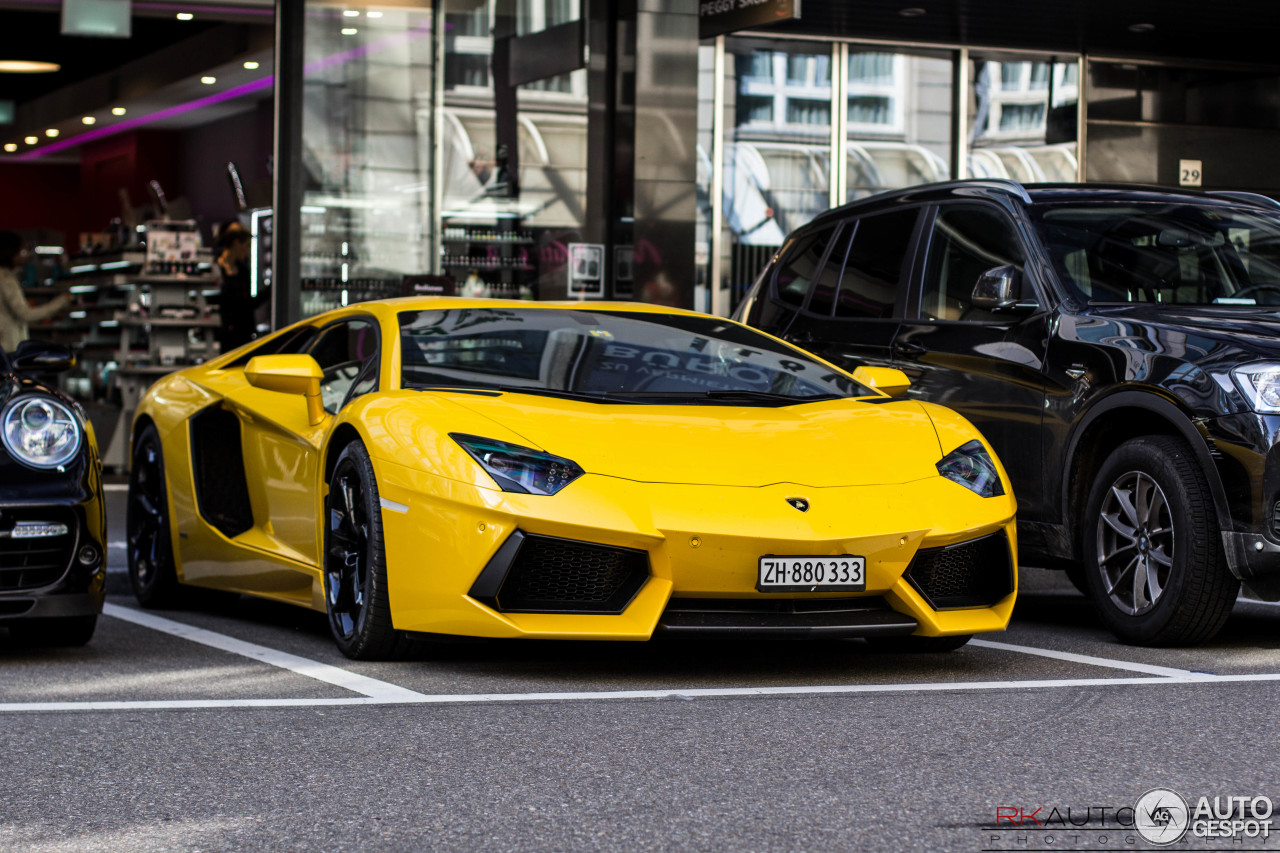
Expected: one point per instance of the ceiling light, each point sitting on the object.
(185, 16)
(11, 146)
(208, 81)
(51, 132)
(117, 111)
(350, 13)
(88, 120)
(252, 66)
(373, 14)
(23, 66)
(349, 31)
(912, 12)
(1141, 28)
(31, 140)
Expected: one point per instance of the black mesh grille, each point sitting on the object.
(35, 563)
(972, 574)
(562, 575)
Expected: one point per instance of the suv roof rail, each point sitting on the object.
(1252, 198)
(1006, 184)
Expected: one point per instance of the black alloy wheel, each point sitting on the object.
(148, 539)
(1154, 561)
(355, 570)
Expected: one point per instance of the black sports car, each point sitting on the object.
(52, 523)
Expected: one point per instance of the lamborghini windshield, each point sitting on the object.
(619, 356)
(1180, 254)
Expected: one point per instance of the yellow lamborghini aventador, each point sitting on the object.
(566, 470)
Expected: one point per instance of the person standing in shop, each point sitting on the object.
(235, 304)
(15, 311)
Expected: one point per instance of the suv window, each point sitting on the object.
(874, 263)
(967, 241)
(802, 267)
(343, 351)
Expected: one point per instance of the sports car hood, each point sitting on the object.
(835, 443)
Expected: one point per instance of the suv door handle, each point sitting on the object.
(800, 338)
(909, 349)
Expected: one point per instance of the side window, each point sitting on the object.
(343, 351)
(285, 343)
(801, 267)
(873, 270)
(967, 241)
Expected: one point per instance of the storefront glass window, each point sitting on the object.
(1022, 119)
(899, 121)
(367, 213)
(514, 174)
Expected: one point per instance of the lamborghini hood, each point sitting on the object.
(834, 443)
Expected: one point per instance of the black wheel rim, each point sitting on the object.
(146, 519)
(347, 558)
(1135, 543)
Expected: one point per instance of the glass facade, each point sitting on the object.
(1022, 118)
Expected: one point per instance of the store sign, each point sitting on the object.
(101, 18)
(717, 17)
(586, 270)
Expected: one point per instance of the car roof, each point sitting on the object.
(1048, 193)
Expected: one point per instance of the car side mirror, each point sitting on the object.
(42, 357)
(997, 289)
(886, 380)
(289, 374)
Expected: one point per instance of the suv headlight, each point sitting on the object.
(40, 431)
(1260, 384)
(972, 467)
(520, 469)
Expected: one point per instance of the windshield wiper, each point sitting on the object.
(728, 394)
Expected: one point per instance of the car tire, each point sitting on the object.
(912, 644)
(64, 631)
(148, 537)
(1154, 562)
(355, 564)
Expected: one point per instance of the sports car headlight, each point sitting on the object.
(520, 469)
(1260, 384)
(40, 431)
(972, 467)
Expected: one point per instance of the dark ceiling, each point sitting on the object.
(81, 58)
(1243, 31)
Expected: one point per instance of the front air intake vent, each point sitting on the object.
(32, 563)
(977, 573)
(544, 574)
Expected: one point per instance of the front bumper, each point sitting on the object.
(55, 576)
(702, 543)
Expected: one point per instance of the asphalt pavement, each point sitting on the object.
(238, 726)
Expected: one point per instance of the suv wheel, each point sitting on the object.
(1153, 558)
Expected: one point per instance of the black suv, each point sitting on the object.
(1119, 346)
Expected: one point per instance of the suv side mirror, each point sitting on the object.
(997, 289)
(289, 374)
(42, 357)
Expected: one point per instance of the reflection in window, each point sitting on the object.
(1023, 120)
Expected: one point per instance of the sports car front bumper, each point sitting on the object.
(701, 543)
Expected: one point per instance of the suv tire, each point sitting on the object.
(1153, 559)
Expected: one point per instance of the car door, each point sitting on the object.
(853, 312)
(282, 449)
(987, 365)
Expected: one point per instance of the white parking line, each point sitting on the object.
(375, 692)
(1090, 660)
(614, 695)
(369, 687)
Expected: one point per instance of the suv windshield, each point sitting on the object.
(620, 356)
(1180, 254)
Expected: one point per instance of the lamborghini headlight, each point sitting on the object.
(1260, 384)
(40, 431)
(972, 467)
(520, 469)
